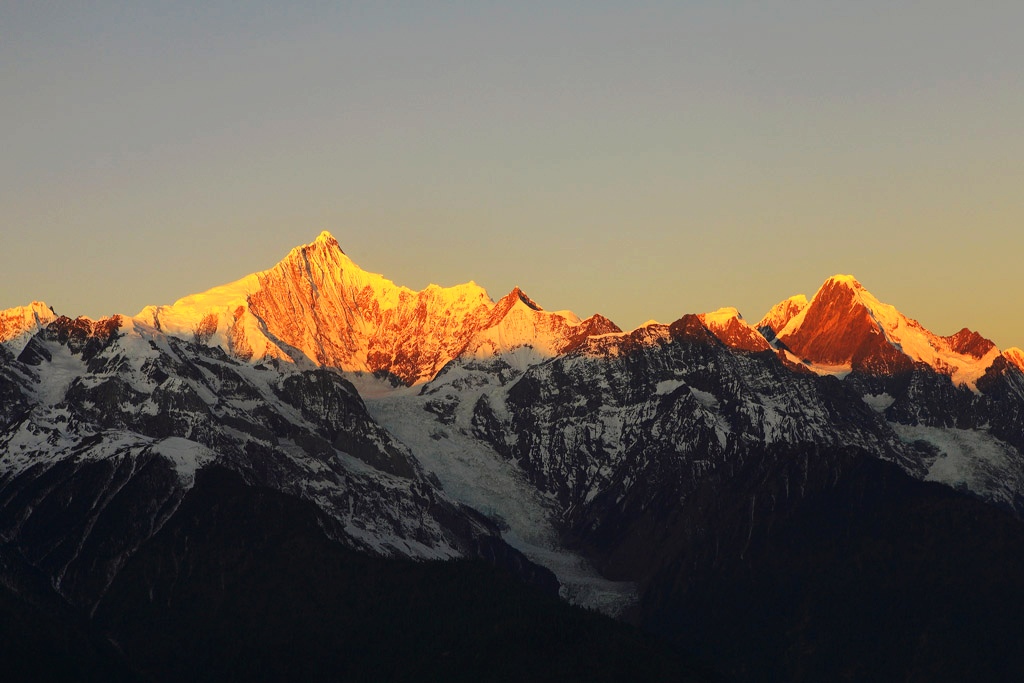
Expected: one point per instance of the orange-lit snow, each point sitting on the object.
(905, 334)
(19, 323)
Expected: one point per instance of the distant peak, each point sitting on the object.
(970, 343)
(847, 280)
(842, 290)
(35, 306)
(779, 315)
(517, 293)
(327, 239)
(323, 246)
(1015, 356)
(728, 325)
(722, 316)
(17, 321)
(38, 309)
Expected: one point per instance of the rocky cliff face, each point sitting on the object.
(769, 518)
(106, 423)
(674, 405)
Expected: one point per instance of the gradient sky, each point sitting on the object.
(641, 159)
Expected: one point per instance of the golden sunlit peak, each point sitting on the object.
(841, 279)
(325, 238)
(1015, 356)
(722, 316)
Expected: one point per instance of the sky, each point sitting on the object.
(642, 160)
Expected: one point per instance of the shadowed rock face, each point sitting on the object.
(242, 582)
(869, 575)
(105, 425)
(773, 520)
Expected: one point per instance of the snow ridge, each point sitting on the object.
(317, 307)
(844, 321)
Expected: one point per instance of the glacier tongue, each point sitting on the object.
(473, 473)
(971, 459)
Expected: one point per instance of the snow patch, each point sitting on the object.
(879, 402)
(970, 459)
(708, 400)
(186, 456)
(668, 386)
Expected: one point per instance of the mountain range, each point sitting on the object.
(832, 493)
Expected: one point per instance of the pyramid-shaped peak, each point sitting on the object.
(848, 280)
(520, 295)
(509, 302)
(324, 250)
(843, 290)
(326, 238)
(325, 241)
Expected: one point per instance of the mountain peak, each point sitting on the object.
(323, 245)
(844, 327)
(970, 343)
(722, 315)
(1015, 356)
(844, 291)
(327, 239)
(846, 280)
(507, 302)
(731, 329)
(18, 322)
(780, 314)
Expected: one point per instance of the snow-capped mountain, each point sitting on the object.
(635, 469)
(780, 314)
(106, 423)
(732, 330)
(317, 306)
(17, 325)
(844, 327)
